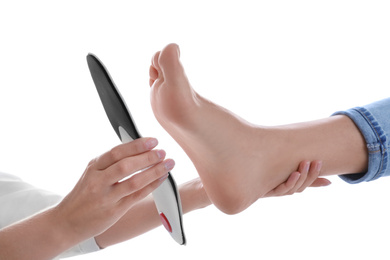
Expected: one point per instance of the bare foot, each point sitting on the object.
(235, 159)
(202, 129)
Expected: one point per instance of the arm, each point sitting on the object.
(39, 237)
(97, 201)
(143, 216)
(53, 231)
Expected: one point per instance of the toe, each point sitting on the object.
(155, 58)
(169, 62)
(151, 82)
(153, 74)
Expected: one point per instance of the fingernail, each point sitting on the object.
(151, 143)
(169, 164)
(306, 167)
(319, 166)
(161, 154)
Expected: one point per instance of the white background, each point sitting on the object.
(272, 62)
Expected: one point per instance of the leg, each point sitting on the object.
(237, 161)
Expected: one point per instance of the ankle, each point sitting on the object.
(275, 160)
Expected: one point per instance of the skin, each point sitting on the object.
(238, 171)
(113, 212)
(103, 206)
(93, 206)
(143, 216)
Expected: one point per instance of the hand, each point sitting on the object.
(306, 176)
(103, 195)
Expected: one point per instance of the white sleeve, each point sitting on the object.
(85, 247)
(19, 200)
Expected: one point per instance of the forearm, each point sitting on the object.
(42, 236)
(143, 217)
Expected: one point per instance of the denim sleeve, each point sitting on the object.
(373, 121)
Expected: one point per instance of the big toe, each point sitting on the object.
(169, 61)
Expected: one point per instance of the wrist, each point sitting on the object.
(62, 232)
(67, 235)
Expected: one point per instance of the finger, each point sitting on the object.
(321, 182)
(122, 151)
(291, 181)
(314, 172)
(142, 179)
(285, 187)
(130, 165)
(127, 202)
(303, 169)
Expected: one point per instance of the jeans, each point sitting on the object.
(373, 121)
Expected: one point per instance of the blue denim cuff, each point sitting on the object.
(372, 123)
